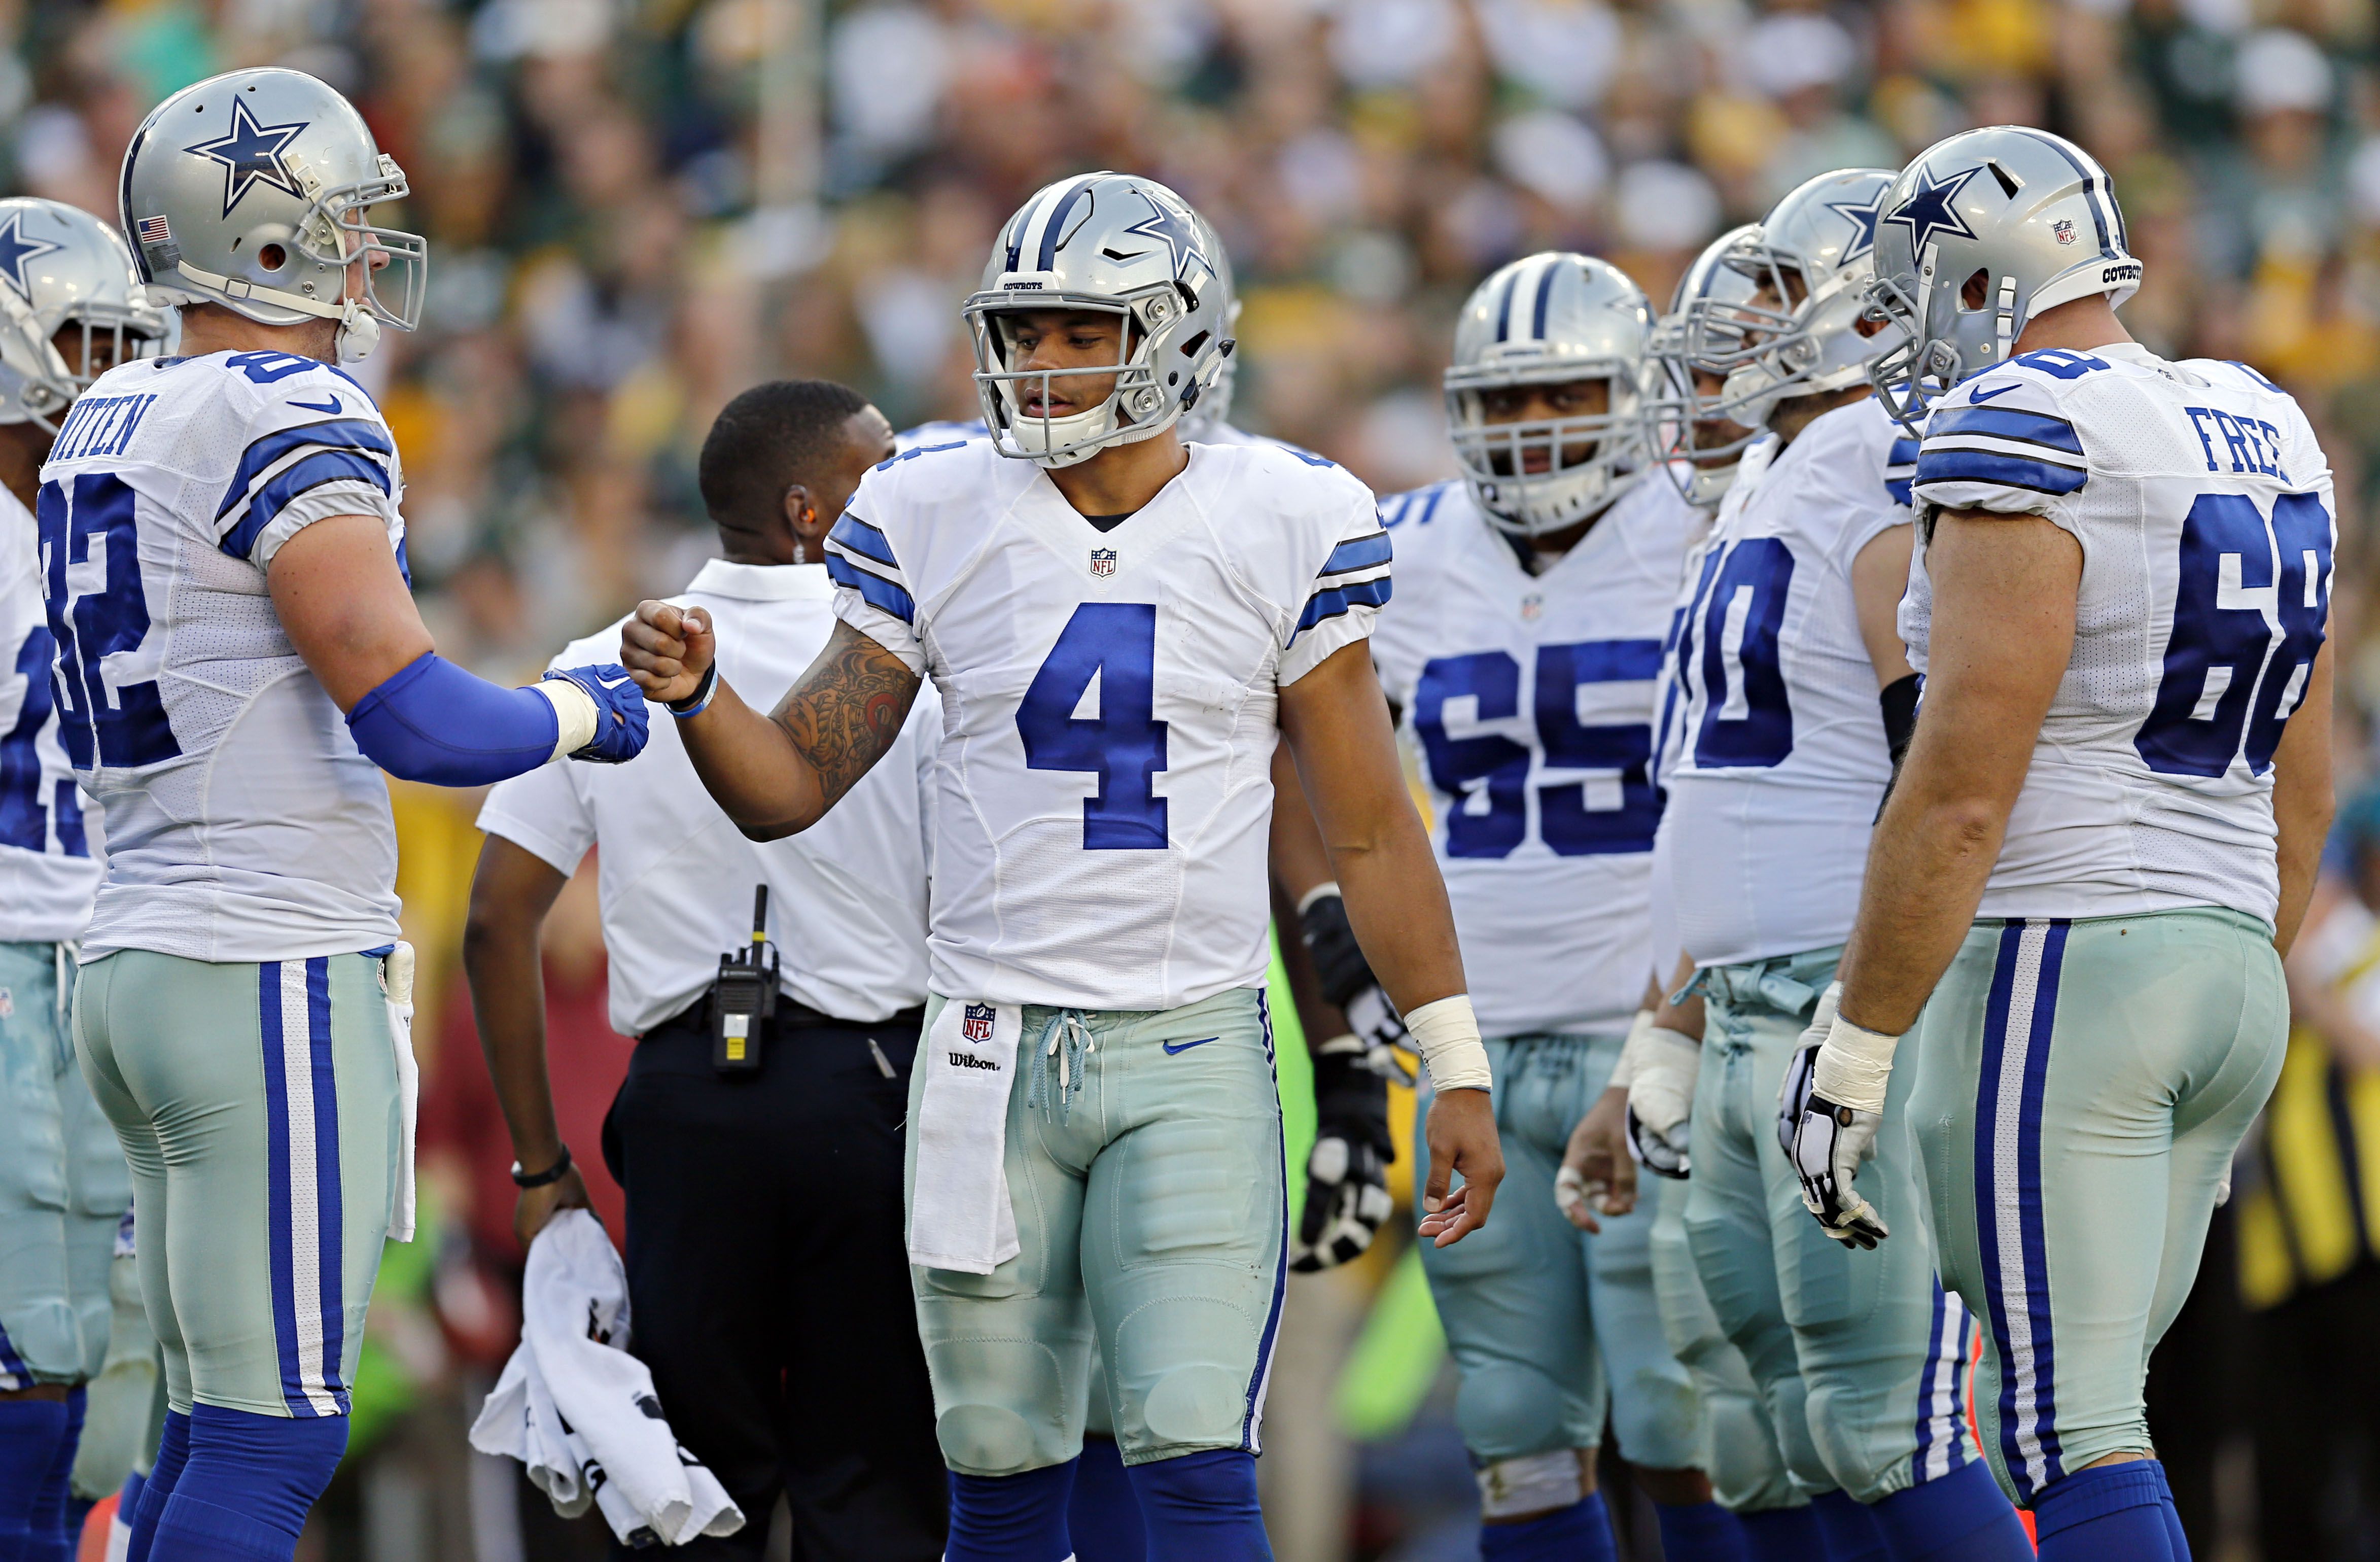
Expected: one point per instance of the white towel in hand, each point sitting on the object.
(579, 1411)
(396, 981)
(960, 1217)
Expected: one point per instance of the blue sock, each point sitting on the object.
(2108, 1512)
(1850, 1527)
(1782, 1534)
(30, 1433)
(47, 1539)
(1961, 1516)
(247, 1485)
(1581, 1532)
(1011, 1517)
(1700, 1532)
(1202, 1508)
(173, 1452)
(1103, 1517)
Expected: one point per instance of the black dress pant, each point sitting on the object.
(769, 1284)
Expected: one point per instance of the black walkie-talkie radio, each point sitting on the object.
(744, 996)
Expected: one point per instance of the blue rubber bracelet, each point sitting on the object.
(699, 700)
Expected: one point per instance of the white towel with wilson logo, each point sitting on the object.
(960, 1217)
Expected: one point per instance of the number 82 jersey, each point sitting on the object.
(2203, 507)
(1110, 701)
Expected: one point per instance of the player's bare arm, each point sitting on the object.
(1336, 722)
(345, 607)
(776, 775)
(511, 893)
(2302, 801)
(1880, 577)
(2003, 629)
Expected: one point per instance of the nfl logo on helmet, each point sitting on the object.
(1103, 562)
(2064, 229)
(975, 1025)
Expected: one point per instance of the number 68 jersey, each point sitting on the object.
(2203, 504)
(242, 822)
(1110, 703)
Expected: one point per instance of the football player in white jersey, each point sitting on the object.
(1123, 629)
(2108, 819)
(237, 656)
(68, 311)
(1795, 691)
(1522, 652)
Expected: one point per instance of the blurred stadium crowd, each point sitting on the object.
(635, 212)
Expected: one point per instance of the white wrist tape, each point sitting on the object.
(1447, 1035)
(1632, 1051)
(574, 713)
(1854, 1066)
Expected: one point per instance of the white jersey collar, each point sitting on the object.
(762, 582)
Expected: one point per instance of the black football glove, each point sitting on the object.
(1347, 1173)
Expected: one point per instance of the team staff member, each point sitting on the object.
(777, 1322)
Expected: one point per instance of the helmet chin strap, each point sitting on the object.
(359, 332)
(359, 327)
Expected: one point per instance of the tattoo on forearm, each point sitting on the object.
(847, 709)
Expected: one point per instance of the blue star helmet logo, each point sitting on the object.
(250, 155)
(1862, 215)
(1928, 210)
(17, 246)
(1170, 228)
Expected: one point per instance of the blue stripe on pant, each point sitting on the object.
(2017, 1025)
(1251, 1422)
(1942, 1396)
(302, 1165)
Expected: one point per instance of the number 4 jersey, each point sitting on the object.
(1110, 703)
(242, 822)
(2203, 504)
(1531, 698)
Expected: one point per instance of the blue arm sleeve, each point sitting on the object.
(434, 722)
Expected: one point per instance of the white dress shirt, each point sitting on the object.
(846, 897)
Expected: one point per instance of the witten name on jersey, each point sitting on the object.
(242, 822)
(1110, 703)
(1782, 761)
(1531, 699)
(48, 872)
(2203, 507)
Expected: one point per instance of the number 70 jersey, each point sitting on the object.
(1111, 699)
(2202, 506)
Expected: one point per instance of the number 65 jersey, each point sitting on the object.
(2203, 504)
(242, 822)
(1109, 705)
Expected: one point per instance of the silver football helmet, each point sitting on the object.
(1549, 319)
(1686, 426)
(2029, 213)
(1214, 409)
(1113, 244)
(1798, 334)
(252, 191)
(62, 268)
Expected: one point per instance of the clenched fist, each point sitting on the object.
(668, 648)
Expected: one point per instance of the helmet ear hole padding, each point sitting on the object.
(272, 257)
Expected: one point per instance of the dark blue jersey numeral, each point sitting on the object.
(122, 725)
(1747, 718)
(1489, 774)
(1124, 744)
(266, 367)
(24, 817)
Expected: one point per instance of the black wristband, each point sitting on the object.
(1899, 701)
(695, 703)
(552, 1173)
(1339, 963)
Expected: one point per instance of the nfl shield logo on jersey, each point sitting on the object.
(977, 1023)
(1102, 562)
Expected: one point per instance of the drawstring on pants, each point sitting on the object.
(1067, 1038)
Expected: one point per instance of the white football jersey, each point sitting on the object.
(1109, 705)
(1532, 698)
(1669, 730)
(243, 824)
(1781, 762)
(48, 870)
(2203, 507)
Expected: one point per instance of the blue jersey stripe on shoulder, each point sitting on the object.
(1903, 451)
(1899, 487)
(2007, 423)
(1993, 466)
(1309, 456)
(864, 540)
(875, 590)
(322, 466)
(917, 450)
(1331, 604)
(1359, 553)
(351, 433)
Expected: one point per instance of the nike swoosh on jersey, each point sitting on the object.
(1172, 1047)
(331, 405)
(1977, 395)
